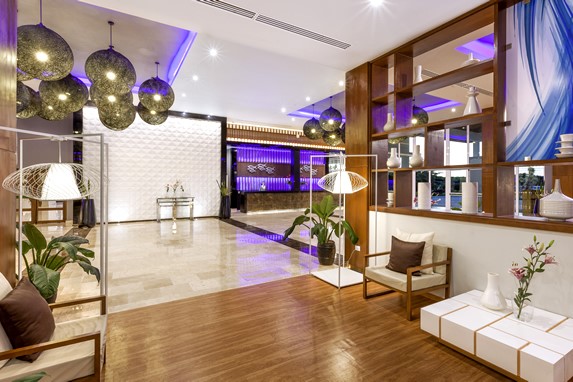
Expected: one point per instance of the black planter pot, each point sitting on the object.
(326, 253)
(87, 214)
(225, 207)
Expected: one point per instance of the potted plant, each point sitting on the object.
(87, 210)
(225, 207)
(323, 227)
(48, 259)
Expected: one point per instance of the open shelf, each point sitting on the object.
(383, 99)
(449, 78)
(542, 162)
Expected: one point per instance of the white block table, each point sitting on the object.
(540, 350)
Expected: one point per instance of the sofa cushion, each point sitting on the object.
(428, 238)
(440, 254)
(404, 255)
(5, 344)
(399, 281)
(26, 317)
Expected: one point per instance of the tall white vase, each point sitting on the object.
(472, 107)
(424, 196)
(416, 159)
(469, 198)
(389, 126)
(492, 297)
(418, 74)
(556, 205)
(393, 161)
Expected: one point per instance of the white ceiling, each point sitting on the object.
(261, 69)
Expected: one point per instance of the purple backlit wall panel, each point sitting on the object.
(267, 156)
(253, 183)
(305, 184)
(305, 158)
(263, 155)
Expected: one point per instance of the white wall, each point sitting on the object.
(144, 158)
(482, 248)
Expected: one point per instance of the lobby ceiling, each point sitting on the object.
(262, 66)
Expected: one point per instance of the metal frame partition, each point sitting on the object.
(353, 276)
(103, 190)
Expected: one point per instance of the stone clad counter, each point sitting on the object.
(271, 201)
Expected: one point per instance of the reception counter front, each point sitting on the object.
(256, 201)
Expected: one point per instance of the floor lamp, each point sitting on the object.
(341, 183)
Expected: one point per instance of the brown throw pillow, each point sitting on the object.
(404, 254)
(26, 318)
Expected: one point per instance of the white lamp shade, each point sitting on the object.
(60, 183)
(342, 182)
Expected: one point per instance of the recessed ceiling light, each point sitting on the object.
(340, 83)
(376, 3)
(283, 110)
(292, 119)
(307, 99)
(453, 109)
(195, 77)
(213, 52)
(183, 95)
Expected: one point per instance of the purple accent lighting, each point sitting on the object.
(180, 55)
(441, 105)
(305, 157)
(263, 155)
(305, 184)
(483, 48)
(253, 183)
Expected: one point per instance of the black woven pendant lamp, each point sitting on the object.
(156, 94)
(67, 95)
(311, 128)
(152, 117)
(42, 53)
(31, 99)
(332, 138)
(110, 70)
(330, 119)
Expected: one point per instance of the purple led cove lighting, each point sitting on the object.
(253, 183)
(305, 157)
(263, 155)
(305, 184)
(441, 105)
(179, 58)
(483, 48)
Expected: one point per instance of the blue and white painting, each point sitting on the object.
(539, 77)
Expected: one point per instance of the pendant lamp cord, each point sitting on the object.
(156, 69)
(330, 101)
(41, 11)
(59, 151)
(312, 110)
(111, 24)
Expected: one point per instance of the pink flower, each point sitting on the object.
(550, 260)
(530, 249)
(518, 272)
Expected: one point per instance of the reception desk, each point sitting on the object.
(256, 201)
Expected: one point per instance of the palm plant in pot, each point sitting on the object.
(323, 226)
(48, 259)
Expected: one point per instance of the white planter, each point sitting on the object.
(389, 126)
(418, 74)
(393, 161)
(469, 198)
(424, 196)
(416, 159)
(556, 205)
(472, 106)
(492, 297)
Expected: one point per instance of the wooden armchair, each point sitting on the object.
(76, 350)
(407, 283)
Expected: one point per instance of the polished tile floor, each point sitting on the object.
(149, 263)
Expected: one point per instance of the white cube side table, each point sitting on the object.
(540, 364)
(430, 315)
(499, 348)
(564, 329)
(459, 327)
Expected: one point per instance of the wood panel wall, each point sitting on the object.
(357, 138)
(8, 39)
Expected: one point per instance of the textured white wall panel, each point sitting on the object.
(144, 158)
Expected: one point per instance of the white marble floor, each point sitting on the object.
(149, 263)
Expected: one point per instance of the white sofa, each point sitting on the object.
(75, 350)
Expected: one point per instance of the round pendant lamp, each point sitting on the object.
(332, 138)
(68, 94)
(151, 117)
(42, 53)
(343, 132)
(33, 106)
(23, 97)
(51, 113)
(419, 116)
(342, 182)
(330, 119)
(23, 76)
(119, 119)
(312, 129)
(105, 100)
(110, 70)
(156, 94)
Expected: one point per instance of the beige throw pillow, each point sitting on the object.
(428, 238)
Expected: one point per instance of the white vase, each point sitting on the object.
(389, 126)
(424, 196)
(492, 298)
(416, 159)
(469, 198)
(418, 74)
(472, 107)
(556, 205)
(393, 161)
(471, 60)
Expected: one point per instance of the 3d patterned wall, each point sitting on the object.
(144, 158)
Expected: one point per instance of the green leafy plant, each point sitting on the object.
(323, 225)
(45, 260)
(32, 377)
(223, 189)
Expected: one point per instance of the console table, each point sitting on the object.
(175, 202)
(539, 350)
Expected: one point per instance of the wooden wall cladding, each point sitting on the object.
(8, 39)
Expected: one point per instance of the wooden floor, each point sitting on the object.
(298, 329)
